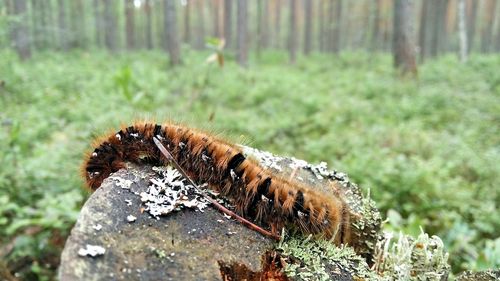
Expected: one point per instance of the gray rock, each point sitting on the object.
(183, 245)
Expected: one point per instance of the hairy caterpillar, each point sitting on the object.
(257, 193)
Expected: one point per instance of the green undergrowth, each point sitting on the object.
(428, 150)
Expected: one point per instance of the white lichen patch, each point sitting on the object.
(91, 251)
(320, 171)
(406, 258)
(297, 163)
(121, 182)
(169, 191)
(266, 159)
(97, 227)
(131, 218)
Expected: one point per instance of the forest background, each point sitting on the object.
(403, 95)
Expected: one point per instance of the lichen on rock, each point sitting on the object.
(308, 259)
(416, 259)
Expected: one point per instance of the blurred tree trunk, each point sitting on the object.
(403, 46)
(498, 38)
(438, 25)
(292, 36)
(63, 25)
(259, 28)
(242, 34)
(434, 23)
(97, 21)
(200, 10)
(423, 32)
(228, 24)
(345, 25)
(265, 24)
(82, 35)
(375, 44)
(149, 24)
(110, 30)
(321, 31)
(365, 26)
(262, 24)
(386, 12)
(308, 29)
(77, 21)
(216, 18)
(187, 23)
(170, 27)
(42, 10)
(50, 27)
(487, 30)
(443, 32)
(157, 14)
(129, 24)
(471, 22)
(337, 27)
(20, 30)
(329, 25)
(36, 25)
(277, 24)
(10, 11)
(462, 31)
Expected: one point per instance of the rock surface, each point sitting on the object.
(184, 245)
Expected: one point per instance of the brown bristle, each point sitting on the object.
(256, 193)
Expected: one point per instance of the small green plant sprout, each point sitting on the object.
(217, 46)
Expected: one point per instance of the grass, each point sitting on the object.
(428, 150)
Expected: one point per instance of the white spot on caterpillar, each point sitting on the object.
(301, 215)
(135, 135)
(205, 157)
(92, 174)
(233, 175)
(94, 154)
(118, 137)
(182, 145)
(264, 198)
(159, 137)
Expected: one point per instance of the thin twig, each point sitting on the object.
(217, 205)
